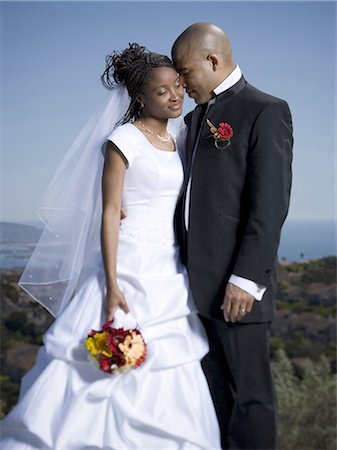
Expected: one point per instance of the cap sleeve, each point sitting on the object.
(121, 137)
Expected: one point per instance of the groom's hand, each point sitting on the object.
(237, 303)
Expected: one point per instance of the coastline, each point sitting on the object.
(301, 239)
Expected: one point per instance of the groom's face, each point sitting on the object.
(197, 75)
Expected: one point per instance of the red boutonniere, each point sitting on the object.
(222, 134)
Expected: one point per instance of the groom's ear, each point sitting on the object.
(214, 59)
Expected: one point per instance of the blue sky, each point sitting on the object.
(53, 54)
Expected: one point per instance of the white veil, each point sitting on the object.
(71, 212)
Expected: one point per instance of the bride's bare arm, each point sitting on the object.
(112, 189)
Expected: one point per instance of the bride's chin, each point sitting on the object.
(175, 114)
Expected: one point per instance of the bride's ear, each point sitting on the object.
(140, 101)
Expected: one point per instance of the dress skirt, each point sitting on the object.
(68, 404)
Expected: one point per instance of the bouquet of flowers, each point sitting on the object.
(116, 350)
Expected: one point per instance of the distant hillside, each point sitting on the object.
(17, 233)
(17, 242)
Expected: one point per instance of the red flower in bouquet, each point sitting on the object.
(222, 134)
(116, 350)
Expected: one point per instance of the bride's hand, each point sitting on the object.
(114, 300)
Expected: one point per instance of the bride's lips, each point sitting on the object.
(176, 107)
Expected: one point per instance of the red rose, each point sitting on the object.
(113, 345)
(225, 131)
(104, 363)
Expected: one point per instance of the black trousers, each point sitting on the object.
(239, 376)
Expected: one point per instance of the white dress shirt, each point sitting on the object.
(254, 289)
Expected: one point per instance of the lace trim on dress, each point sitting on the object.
(155, 237)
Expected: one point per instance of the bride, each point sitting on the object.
(90, 267)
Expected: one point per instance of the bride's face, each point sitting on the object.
(163, 94)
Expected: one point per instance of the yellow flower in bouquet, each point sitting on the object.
(97, 344)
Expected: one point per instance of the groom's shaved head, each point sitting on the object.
(202, 55)
(204, 38)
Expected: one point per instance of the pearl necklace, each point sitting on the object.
(164, 140)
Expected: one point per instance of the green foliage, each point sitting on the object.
(16, 321)
(320, 271)
(324, 311)
(306, 405)
(301, 305)
(276, 343)
(315, 271)
(293, 267)
(9, 394)
(297, 345)
(17, 328)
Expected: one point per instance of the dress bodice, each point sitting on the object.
(151, 187)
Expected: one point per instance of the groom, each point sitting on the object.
(228, 220)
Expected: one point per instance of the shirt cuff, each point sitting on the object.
(252, 288)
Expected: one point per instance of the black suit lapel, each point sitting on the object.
(192, 135)
(179, 217)
(196, 118)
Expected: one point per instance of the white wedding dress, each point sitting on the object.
(66, 403)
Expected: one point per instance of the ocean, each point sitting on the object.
(308, 239)
(300, 240)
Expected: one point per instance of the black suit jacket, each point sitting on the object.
(239, 197)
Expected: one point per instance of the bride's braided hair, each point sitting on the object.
(131, 68)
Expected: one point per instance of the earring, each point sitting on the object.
(141, 106)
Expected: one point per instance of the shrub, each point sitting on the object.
(306, 405)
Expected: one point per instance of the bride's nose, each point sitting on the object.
(174, 96)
